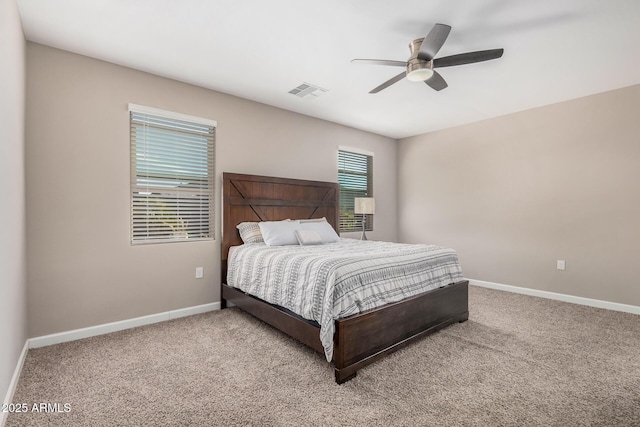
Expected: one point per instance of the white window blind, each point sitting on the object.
(172, 171)
(355, 177)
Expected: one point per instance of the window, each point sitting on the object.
(355, 176)
(172, 171)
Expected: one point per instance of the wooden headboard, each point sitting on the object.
(265, 198)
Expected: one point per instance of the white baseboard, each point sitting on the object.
(106, 328)
(14, 382)
(560, 297)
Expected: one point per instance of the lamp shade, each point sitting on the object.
(364, 205)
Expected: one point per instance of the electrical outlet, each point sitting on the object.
(560, 264)
(199, 272)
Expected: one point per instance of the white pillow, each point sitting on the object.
(323, 228)
(279, 233)
(308, 237)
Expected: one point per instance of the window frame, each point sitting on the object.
(348, 221)
(189, 196)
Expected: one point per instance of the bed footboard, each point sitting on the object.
(364, 338)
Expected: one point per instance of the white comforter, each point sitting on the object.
(331, 281)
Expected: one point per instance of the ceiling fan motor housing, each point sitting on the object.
(417, 69)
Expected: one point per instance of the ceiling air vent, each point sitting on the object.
(307, 90)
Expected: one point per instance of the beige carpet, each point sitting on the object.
(518, 361)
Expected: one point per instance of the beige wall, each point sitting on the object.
(515, 193)
(13, 325)
(82, 270)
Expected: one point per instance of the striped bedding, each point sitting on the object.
(331, 281)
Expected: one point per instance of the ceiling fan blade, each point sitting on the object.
(436, 82)
(381, 62)
(468, 58)
(389, 82)
(433, 42)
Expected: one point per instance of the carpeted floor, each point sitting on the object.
(518, 361)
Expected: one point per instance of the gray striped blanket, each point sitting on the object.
(332, 281)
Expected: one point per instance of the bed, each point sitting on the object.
(359, 339)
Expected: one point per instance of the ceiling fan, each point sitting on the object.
(420, 65)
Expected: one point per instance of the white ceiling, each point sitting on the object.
(555, 50)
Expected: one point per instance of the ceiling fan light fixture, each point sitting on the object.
(419, 71)
(420, 74)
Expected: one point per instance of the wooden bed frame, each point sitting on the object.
(359, 340)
